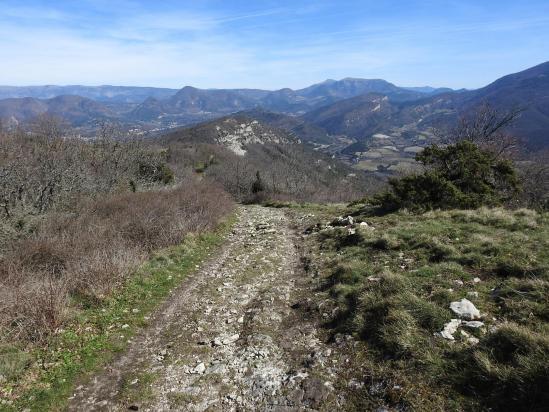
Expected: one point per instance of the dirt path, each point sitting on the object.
(237, 335)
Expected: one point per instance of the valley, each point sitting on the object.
(372, 125)
(344, 245)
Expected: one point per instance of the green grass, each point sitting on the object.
(393, 286)
(44, 378)
(138, 387)
(179, 399)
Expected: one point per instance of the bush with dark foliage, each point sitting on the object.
(458, 176)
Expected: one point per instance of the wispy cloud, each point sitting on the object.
(260, 44)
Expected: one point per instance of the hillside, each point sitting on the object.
(447, 309)
(529, 90)
(297, 125)
(333, 90)
(233, 132)
(285, 299)
(234, 149)
(357, 118)
(76, 110)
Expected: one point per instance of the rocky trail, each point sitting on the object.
(238, 335)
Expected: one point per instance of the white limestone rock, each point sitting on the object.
(465, 309)
(449, 329)
(473, 324)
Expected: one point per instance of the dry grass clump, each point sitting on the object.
(82, 256)
(510, 368)
(498, 217)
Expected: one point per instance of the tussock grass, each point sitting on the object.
(393, 286)
(509, 368)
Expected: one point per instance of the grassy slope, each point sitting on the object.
(43, 380)
(393, 286)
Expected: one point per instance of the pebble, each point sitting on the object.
(449, 329)
(230, 339)
(200, 368)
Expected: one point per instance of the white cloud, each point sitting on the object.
(131, 46)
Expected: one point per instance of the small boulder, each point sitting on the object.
(465, 309)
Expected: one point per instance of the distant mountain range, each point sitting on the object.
(75, 109)
(350, 108)
(189, 104)
(192, 101)
(362, 116)
(105, 94)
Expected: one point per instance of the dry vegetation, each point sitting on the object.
(288, 172)
(78, 217)
(87, 255)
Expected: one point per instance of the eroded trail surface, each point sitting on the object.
(236, 336)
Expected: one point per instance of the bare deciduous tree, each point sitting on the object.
(487, 128)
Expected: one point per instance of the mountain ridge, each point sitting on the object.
(351, 107)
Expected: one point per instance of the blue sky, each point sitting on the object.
(269, 44)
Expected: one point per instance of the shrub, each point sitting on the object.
(461, 176)
(90, 252)
(257, 185)
(419, 193)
